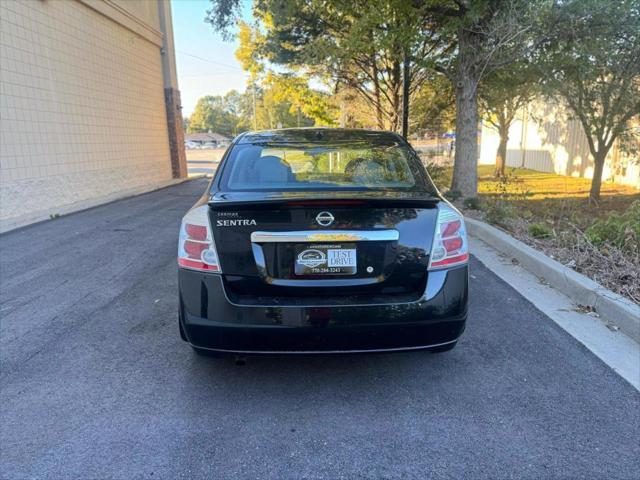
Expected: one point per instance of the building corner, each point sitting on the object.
(172, 93)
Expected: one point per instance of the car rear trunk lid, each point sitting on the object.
(306, 244)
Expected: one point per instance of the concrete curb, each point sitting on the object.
(9, 224)
(611, 307)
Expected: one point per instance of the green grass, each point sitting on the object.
(539, 185)
(547, 197)
(553, 213)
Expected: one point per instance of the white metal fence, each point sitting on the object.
(545, 139)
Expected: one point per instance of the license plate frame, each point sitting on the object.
(326, 259)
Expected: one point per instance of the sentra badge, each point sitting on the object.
(236, 222)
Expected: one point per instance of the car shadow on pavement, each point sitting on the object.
(286, 379)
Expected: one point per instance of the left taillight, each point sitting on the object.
(450, 245)
(196, 248)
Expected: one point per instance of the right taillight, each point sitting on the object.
(196, 248)
(450, 246)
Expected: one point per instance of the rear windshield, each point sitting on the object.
(338, 166)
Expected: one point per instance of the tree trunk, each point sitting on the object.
(465, 168)
(596, 181)
(501, 156)
(396, 79)
(405, 95)
(376, 94)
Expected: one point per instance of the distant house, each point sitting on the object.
(202, 138)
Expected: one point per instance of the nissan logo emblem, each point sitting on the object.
(324, 219)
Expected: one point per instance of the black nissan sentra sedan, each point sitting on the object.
(322, 241)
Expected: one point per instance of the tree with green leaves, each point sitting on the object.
(214, 113)
(433, 106)
(274, 110)
(592, 64)
(304, 101)
(483, 36)
(502, 94)
(375, 48)
(372, 46)
(279, 89)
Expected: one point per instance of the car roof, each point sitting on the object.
(320, 135)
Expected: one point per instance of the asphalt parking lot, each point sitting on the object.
(96, 383)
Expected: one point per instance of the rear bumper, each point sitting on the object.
(212, 321)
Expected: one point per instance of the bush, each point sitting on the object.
(440, 175)
(499, 212)
(472, 203)
(453, 195)
(621, 230)
(526, 214)
(538, 230)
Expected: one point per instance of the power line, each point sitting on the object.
(209, 61)
(216, 74)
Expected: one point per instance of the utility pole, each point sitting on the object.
(524, 135)
(405, 95)
(255, 116)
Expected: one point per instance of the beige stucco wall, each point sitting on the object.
(81, 105)
(145, 11)
(546, 139)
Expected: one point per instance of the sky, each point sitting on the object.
(206, 64)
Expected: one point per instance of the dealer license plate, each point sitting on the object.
(326, 259)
